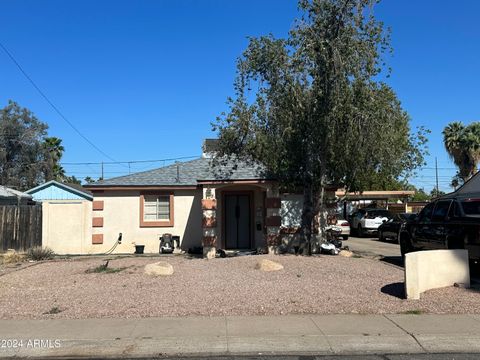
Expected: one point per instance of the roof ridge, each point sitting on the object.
(145, 172)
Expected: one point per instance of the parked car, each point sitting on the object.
(390, 228)
(447, 223)
(345, 225)
(367, 221)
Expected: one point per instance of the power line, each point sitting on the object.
(55, 108)
(128, 162)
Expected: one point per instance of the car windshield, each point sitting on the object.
(471, 207)
(378, 213)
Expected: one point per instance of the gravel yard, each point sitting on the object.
(322, 285)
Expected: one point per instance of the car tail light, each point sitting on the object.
(345, 223)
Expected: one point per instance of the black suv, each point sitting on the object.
(447, 223)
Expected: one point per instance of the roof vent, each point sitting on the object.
(209, 148)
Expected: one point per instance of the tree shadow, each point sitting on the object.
(395, 289)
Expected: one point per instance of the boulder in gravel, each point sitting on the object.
(345, 253)
(161, 268)
(268, 265)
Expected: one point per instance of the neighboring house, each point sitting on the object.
(13, 197)
(66, 217)
(232, 206)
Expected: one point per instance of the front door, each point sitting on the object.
(237, 221)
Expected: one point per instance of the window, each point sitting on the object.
(471, 206)
(378, 213)
(454, 210)
(156, 210)
(426, 213)
(441, 210)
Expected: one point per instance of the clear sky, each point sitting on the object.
(144, 79)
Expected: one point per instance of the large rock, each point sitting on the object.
(268, 265)
(160, 268)
(345, 253)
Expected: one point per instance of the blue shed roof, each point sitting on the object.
(54, 190)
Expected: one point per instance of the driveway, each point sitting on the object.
(373, 247)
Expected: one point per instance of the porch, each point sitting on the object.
(240, 215)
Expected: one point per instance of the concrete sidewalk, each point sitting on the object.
(309, 334)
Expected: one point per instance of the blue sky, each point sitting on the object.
(144, 79)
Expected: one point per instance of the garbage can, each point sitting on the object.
(139, 249)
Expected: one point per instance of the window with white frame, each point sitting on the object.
(156, 208)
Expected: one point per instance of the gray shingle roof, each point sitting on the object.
(6, 192)
(189, 173)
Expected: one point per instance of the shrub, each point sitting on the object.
(12, 256)
(40, 253)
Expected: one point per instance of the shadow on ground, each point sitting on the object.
(395, 289)
(393, 260)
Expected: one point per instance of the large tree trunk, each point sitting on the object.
(308, 213)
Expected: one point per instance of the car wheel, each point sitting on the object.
(360, 231)
(345, 237)
(405, 245)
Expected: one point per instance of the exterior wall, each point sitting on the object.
(54, 192)
(66, 226)
(121, 214)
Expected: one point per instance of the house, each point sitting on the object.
(13, 197)
(66, 217)
(234, 205)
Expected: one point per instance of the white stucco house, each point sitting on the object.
(233, 206)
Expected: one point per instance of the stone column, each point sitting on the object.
(273, 219)
(209, 223)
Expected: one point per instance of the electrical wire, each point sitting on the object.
(54, 107)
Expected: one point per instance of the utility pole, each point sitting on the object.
(436, 177)
(102, 170)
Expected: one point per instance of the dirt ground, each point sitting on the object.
(321, 284)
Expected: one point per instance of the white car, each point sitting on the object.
(367, 221)
(344, 225)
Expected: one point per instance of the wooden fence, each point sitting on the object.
(20, 227)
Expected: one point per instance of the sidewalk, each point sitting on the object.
(309, 334)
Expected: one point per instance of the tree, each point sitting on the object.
(89, 180)
(463, 146)
(54, 149)
(311, 109)
(28, 156)
(71, 180)
(22, 154)
(435, 194)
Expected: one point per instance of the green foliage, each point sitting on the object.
(38, 253)
(90, 180)
(54, 150)
(311, 109)
(27, 156)
(463, 146)
(420, 195)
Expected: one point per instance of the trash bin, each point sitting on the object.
(139, 249)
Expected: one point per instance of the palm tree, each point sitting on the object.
(54, 152)
(463, 145)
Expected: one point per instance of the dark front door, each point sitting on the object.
(237, 221)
